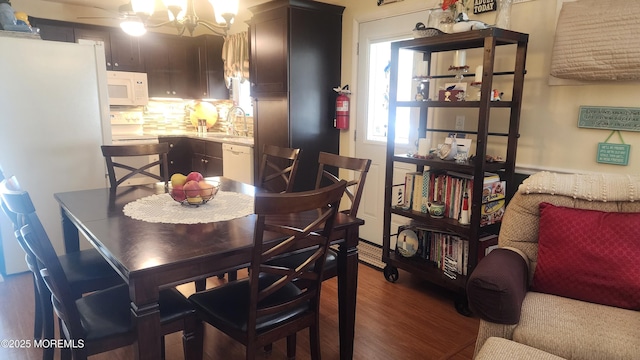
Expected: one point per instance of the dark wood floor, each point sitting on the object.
(410, 319)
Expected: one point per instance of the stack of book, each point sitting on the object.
(449, 252)
(449, 188)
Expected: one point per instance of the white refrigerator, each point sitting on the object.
(54, 115)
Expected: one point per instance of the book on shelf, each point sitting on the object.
(408, 189)
(492, 212)
(493, 191)
(416, 189)
(486, 243)
(448, 251)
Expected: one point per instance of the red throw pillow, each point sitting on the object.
(589, 255)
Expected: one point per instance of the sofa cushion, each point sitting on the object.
(494, 294)
(589, 255)
(499, 348)
(576, 329)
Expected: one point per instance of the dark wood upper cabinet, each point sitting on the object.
(169, 65)
(122, 52)
(210, 68)
(100, 36)
(176, 66)
(295, 54)
(54, 30)
(269, 50)
(126, 54)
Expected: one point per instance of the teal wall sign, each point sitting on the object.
(610, 118)
(615, 154)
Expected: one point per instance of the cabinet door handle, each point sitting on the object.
(170, 145)
(108, 63)
(168, 92)
(115, 64)
(205, 161)
(171, 162)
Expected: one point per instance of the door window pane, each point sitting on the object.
(378, 107)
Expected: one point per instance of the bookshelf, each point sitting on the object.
(487, 40)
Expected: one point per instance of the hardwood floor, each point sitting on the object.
(410, 319)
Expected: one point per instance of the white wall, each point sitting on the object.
(550, 138)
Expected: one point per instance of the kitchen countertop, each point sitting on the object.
(217, 137)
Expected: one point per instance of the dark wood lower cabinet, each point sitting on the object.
(207, 157)
(187, 155)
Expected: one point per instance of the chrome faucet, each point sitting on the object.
(232, 124)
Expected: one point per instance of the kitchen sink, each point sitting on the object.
(222, 137)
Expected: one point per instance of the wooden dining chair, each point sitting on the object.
(102, 320)
(112, 152)
(267, 305)
(278, 168)
(86, 271)
(277, 173)
(353, 192)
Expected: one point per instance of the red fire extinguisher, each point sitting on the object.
(341, 120)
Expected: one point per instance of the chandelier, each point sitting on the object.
(182, 15)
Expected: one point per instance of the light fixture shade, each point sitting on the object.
(143, 6)
(176, 4)
(225, 10)
(133, 27)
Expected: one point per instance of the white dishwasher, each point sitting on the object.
(237, 162)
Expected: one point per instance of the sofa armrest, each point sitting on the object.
(498, 285)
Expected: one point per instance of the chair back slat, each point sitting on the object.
(355, 187)
(38, 243)
(112, 152)
(278, 168)
(275, 235)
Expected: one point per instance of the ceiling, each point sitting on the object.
(110, 7)
(105, 12)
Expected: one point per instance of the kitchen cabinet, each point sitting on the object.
(206, 157)
(504, 132)
(179, 156)
(122, 52)
(295, 48)
(169, 63)
(54, 30)
(210, 82)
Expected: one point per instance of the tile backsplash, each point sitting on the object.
(174, 117)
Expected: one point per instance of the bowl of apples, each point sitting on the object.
(191, 189)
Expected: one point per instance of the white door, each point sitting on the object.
(372, 112)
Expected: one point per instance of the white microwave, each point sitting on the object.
(127, 88)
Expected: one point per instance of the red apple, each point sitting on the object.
(194, 176)
(177, 192)
(191, 189)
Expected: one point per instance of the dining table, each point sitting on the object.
(155, 246)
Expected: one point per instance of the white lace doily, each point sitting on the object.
(161, 208)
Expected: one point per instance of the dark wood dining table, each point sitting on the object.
(151, 256)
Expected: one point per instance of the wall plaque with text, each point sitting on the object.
(610, 118)
(615, 154)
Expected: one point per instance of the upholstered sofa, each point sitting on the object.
(565, 278)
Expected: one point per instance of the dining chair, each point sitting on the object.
(277, 173)
(100, 321)
(112, 152)
(353, 192)
(278, 168)
(86, 271)
(267, 305)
